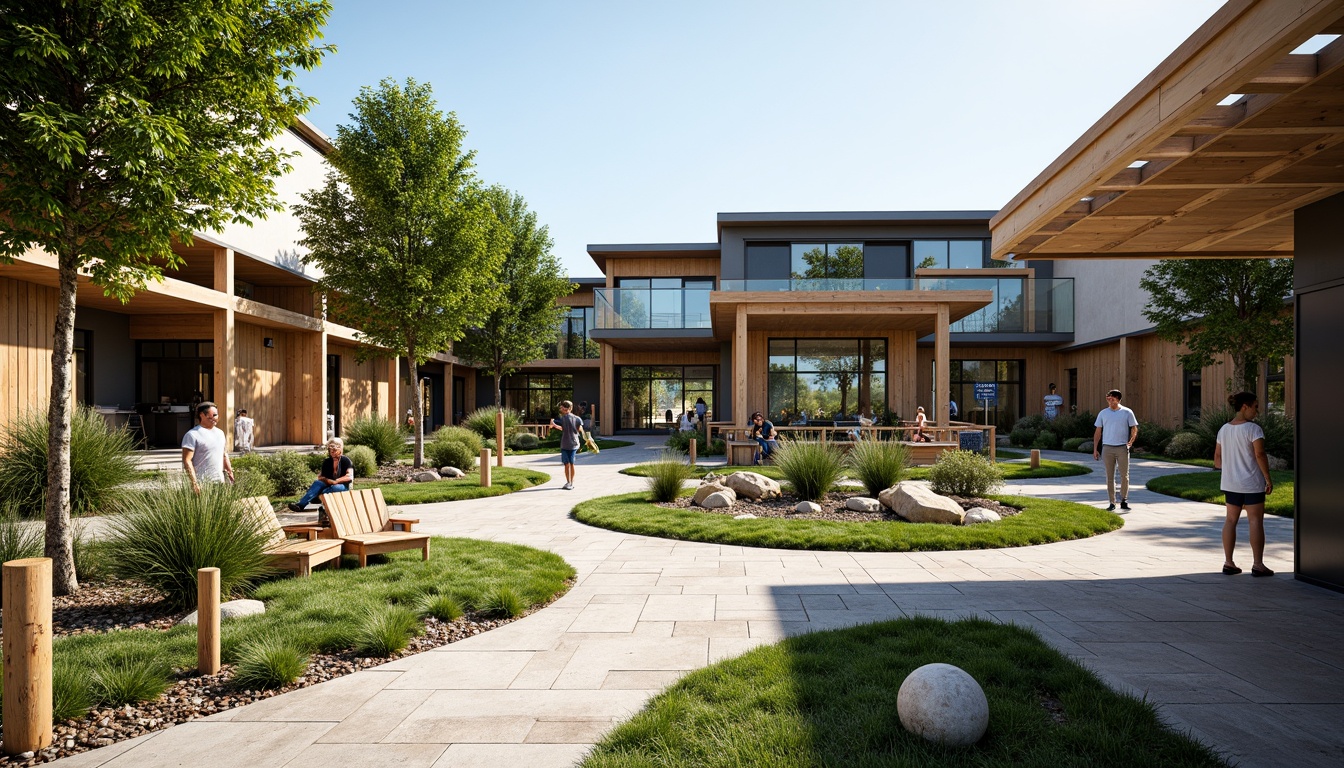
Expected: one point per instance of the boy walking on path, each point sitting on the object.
(1115, 433)
(571, 433)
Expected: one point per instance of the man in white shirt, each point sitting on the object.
(1052, 404)
(1116, 430)
(204, 454)
(242, 431)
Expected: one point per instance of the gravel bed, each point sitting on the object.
(832, 508)
(123, 605)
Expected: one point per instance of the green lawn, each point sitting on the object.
(1042, 521)
(502, 480)
(1203, 486)
(1206, 463)
(829, 699)
(1011, 471)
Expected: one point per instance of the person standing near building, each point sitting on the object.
(952, 407)
(242, 431)
(1240, 454)
(1052, 404)
(204, 454)
(1116, 429)
(571, 434)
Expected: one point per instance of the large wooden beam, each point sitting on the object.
(225, 361)
(740, 408)
(942, 368)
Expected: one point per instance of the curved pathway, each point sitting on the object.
(1248, 665)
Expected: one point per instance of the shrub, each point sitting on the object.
(878, 464)
(666, 476)
(70, 695)
(482, 421)
(522, 441)
(442, 607)
(502, 602)
(91, 556)
(1279, 434)
(1153, 437)
(1185, 445)
(1081, 424)
(463, 435)
(163, 538)
(364, 460)
(451, 453)
(1026, 429)
(114, 683)
(383, 436)
(810, 467)
(287, 470)
(1073, 443)
(386, 631)
(489, 442)
(964, 473)
(314, 460)
(19, 538)
(1205, 428)
(1085, 446)
(1046, 440)
(268, 663)
(681, 443)
(101, 460)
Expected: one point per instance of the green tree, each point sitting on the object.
(404, 236)
(527, 317)
(127, 126)
(1223, 306)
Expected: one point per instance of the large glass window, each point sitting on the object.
(957, 254)
(1275, 386)
(83, 379)
(181, 371)
(1004, 314)
(537, 395)
(573, 341)
(663, 302)
(816, 261)
(654, 397)
(1008, 374)
(828, 379)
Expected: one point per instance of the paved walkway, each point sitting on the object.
(1251, 666)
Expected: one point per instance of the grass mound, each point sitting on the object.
(1010, 471)
(829, 698)
(1203, 486)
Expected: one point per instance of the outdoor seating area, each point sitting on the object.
(297, 555)
(365, 526)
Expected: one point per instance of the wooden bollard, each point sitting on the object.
(692, 451)
(499, 437)
(1035, 458)
(485, 467)
(207, 621)
(27, 649)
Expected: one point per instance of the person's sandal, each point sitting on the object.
(1261, 572)
(1231, 570)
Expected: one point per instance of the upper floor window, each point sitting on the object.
(573, 340)
(956, 254)
(814, 261)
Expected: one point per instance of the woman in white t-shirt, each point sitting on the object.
(1240, 454)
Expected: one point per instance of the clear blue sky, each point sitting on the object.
(637, 122)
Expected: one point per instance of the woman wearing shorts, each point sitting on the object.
(1240, 454)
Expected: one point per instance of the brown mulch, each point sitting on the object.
(832, 508)
(126, 605)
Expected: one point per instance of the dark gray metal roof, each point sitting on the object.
(653, 247)
(856, 217)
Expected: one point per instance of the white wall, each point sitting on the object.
(1107, 298)
(276, 237)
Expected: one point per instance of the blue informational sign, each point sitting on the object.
(987, 391)
(971, 441)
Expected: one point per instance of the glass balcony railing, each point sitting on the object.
(644, 308)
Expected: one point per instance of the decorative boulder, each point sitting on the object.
(711, 477)
(807, 508)
(230, 610)
(719, 500)
(707, 489)
(943, 704)
(428, 476)
(981, 515)
(1276, 463)
(752, 485)
(863, 504)
(744, 517)
(451, 472)
(919, 504)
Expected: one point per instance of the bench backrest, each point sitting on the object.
(259, 507)
(352, 512)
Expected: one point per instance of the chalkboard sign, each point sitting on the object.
(971, 441)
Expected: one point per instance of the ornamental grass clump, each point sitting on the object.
(965, 474)
(666, 476)
(442, 607)
(386, 630)
(502, 602)
(383, 436)
(363, 459)
(162, 538)
(128, 681)
(522, 441)
(878, 464)
(482, 421)
(810, 467)
(101, 461)
(268, 663)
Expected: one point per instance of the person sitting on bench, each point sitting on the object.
(920, 421)
(763, 432)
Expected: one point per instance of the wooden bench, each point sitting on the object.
(742, 453)
(928, 453)
(297, 555)
(361, 520)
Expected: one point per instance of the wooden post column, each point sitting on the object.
(741, 411)
(942, 367)
(27, 649)
(609, 406)
(225, 357)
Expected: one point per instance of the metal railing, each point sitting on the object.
(620, 308)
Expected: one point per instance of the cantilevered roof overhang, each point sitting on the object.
(1208, 156)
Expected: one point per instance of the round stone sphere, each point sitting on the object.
(943, 704)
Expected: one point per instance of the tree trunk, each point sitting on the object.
(499, 397)
(1245, 373)
(60, 537)
(417, 410)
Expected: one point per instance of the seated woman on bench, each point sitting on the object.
(337, 475)
(763, 432)
(920, 421)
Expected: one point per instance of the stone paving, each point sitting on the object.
(1251, 666)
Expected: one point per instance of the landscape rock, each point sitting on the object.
(943, 704)
(451, 472)
(711, 477)
(1276, 463)
(719, 500)
(752, 485)
(230, 610)
(807, 508)
(428, 476)
(981, 515)
(744, 517)
(705, 490)
(863, 504)
(919, 504)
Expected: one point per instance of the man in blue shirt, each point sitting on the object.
(1114, 436)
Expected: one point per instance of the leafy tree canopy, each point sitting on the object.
(1221, 307)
